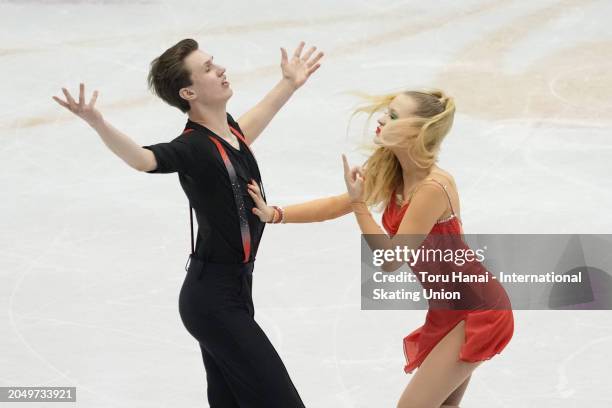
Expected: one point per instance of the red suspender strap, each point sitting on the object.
(242, 215)
(239, 136)
(191, 223)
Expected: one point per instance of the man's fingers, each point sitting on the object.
(68, 97)
(298, 50)
(309, 53)
(311, 70)
(316, 59)
(93, 100)
(58, 100)
(81, 94)
(284, 58)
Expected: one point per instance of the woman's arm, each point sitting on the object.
(321, 209)
(428, 203)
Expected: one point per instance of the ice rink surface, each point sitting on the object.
(92, 252)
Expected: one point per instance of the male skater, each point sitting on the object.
(215, 165)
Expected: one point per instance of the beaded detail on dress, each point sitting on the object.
(401, 206)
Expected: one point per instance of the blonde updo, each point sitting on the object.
(420, 134)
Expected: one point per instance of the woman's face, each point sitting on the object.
(401, 107)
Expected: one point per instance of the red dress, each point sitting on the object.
(487, 332)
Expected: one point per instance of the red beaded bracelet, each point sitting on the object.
(274, 216)
(281, 215)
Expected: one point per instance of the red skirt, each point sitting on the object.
(487, 332)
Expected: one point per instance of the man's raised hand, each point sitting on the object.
(298, 69)
(85, 111)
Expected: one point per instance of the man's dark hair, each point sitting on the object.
(168, 73)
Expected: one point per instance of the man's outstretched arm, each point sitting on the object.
(296, 72)
(120, 144)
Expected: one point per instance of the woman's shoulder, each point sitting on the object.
(443, 176)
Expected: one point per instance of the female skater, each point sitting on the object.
(420, 201)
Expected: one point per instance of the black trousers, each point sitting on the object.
(242, 367)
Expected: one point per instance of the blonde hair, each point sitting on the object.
(421, 134)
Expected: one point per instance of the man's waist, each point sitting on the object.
(229, 266)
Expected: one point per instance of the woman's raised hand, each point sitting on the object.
(354, 179)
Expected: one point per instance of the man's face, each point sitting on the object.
(210, 85)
